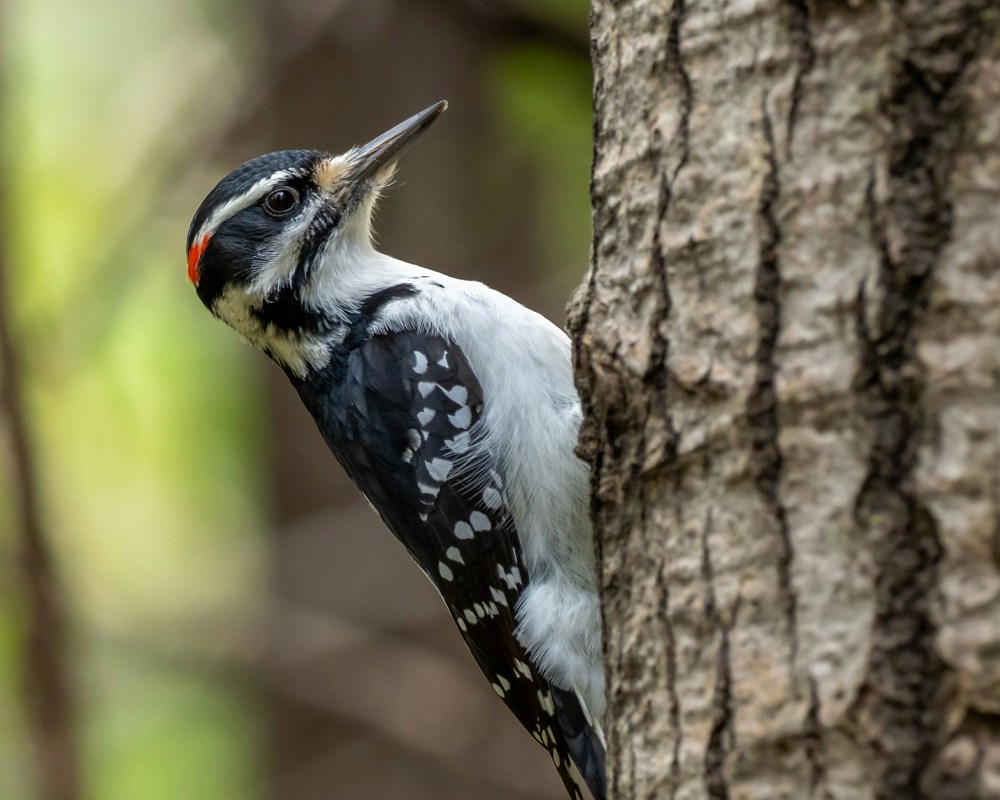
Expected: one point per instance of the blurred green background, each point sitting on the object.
(238, 624)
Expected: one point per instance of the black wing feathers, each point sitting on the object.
(582, 741)
(401, 413)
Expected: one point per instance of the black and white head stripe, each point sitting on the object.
(247, 185)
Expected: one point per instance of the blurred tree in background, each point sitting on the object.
(239, 625)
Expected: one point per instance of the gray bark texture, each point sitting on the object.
(788, 348)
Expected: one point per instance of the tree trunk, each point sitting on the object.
(788, 348)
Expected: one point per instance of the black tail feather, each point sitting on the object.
(582, 741)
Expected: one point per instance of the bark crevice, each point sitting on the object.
(910, 222)
(813, 734)
(762, 402)
(805, 58)
(721, 734)
(675, 62)
(674, 707)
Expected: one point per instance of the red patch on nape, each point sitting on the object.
(194, 256)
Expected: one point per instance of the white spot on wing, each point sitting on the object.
(438, 468)
(463, 530)
(461, 418)
(458, 394)
(445, 571)
(454, 554)
(425, 388)
(431, 490)
(491, 498)
(545, 700)
(419, 362)
(470, 616)
(479, 521)
(499, 596)
(426, 416)
(413, 437)
(443, 361)
(497, 689)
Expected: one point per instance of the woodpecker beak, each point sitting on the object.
(383, 151)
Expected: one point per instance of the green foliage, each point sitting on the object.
(191, 739)
(147, 460)
(544, 101)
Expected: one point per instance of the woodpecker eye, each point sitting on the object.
(279, 202)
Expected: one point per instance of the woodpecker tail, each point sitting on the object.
(583, 740)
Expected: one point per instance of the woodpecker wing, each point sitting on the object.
(403, 418)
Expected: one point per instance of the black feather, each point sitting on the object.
(582, 740)
(400, 411)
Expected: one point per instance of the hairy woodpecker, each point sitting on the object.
(451, 406)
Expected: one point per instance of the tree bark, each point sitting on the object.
(788, 348)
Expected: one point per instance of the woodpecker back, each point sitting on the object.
(451, 406)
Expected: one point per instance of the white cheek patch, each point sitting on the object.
(297, 350)
(235, 308)
(275, 264)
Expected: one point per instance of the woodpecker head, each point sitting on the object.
(262, 241)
